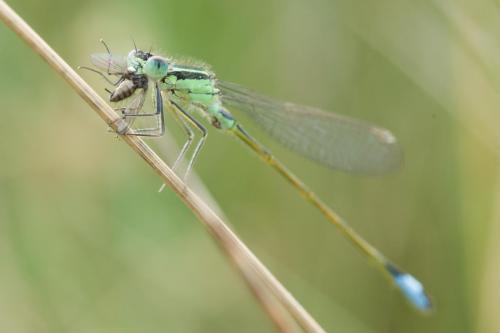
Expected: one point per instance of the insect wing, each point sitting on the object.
(333, 140)
(111, 64)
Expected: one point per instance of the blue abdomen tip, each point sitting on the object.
(411, 288)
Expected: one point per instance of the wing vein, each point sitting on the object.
(336, 141)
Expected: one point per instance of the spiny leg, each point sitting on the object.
(188, 142)
(154, 131)
(133, 108)
(203, 131)
(131, 112)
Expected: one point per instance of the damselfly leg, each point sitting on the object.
(199, 145)
(190, 136)
(132, 113)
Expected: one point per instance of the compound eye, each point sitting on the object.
(156, 67)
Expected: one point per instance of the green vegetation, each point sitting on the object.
(88, 245)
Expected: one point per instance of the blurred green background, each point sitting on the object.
(88, 245)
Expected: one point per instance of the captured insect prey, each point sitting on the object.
(191, 92)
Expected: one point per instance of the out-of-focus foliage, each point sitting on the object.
(88, 245)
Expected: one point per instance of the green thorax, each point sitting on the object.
(196, 87)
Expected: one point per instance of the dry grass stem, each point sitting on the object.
(254, 272)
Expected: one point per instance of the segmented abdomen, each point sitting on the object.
(124, 90)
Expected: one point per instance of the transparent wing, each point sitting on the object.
(112, 64)
(336, 141)
(133, 106)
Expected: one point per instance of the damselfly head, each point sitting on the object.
(142, 62)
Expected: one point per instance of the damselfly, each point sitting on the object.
(190, 91)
